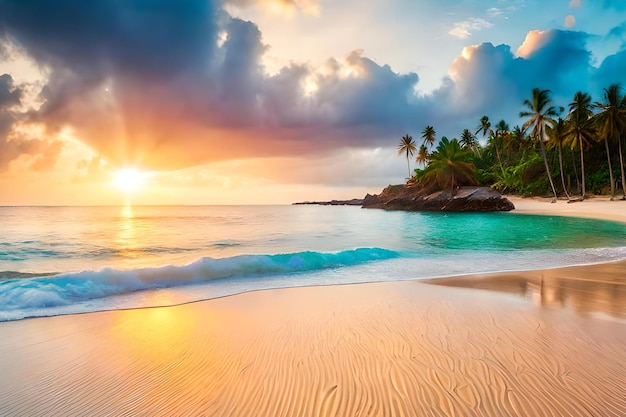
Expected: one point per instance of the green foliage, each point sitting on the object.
(449, 166)
(517, 161)
(598, 181)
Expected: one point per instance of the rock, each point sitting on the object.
(353, 202)
(417, 198)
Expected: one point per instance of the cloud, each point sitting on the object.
(494, 12)
(574, 3)
(464, 29)
(147, 85)
(10, 97)
(288, 7)
(570, 21)
(180, 84)
(493, 80)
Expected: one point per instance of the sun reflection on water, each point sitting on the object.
(127, 239)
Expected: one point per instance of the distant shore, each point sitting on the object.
(529, 343)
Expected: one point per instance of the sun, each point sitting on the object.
(130, 180)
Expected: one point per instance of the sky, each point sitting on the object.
(271, 101)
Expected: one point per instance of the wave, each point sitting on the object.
(24, 293)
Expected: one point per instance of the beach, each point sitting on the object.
(535, 343)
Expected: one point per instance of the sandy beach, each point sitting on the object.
(538, 343)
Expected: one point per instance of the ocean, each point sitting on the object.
(65, 260)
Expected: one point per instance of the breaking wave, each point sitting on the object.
(22, 296)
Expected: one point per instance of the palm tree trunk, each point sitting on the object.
(621, 165)
(545, 161)
(582, 168)
(408, 165)
(608, 158)
(575, 170)
(495, 145)
(561, 169)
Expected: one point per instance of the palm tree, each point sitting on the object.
(407, 145)
(540, 115)
(580, 131)
(449, 166)
(428, 134)
(610, 123)
(468, 140)
(484, 126)
(422, 155)
(502, 130)
(557, 136)
(517, 139)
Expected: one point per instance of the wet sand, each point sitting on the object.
(540, 343)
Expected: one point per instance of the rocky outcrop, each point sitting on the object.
(417, 198)
(353, 202)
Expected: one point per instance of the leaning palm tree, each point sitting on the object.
(580, 131)
(407, 145)
(422, 155)
(428, 135)
(556, 138)
(449, 166)
(610, 122)
(484, 126)
(540, 115)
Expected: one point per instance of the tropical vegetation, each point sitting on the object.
(579, 146)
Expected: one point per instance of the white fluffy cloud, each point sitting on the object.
(464, 29)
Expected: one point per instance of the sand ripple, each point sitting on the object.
(403, 349)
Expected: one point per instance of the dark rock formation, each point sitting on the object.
(353, 202)
(417, 198)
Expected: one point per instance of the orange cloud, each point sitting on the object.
(535, 39)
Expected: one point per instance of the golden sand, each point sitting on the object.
(403, 349)
(541, 343)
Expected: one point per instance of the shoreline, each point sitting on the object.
(541, 342)
(599, 207)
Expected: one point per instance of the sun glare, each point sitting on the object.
(130, 180)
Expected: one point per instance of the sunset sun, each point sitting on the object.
(130, 180)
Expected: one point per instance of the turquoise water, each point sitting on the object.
(59, 260)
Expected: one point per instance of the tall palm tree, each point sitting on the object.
(579, 133)
(611, 122)
(449, 166)
(407, 145)
(540, 115)
(428, 135)
(422, 155)
(556, 138)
